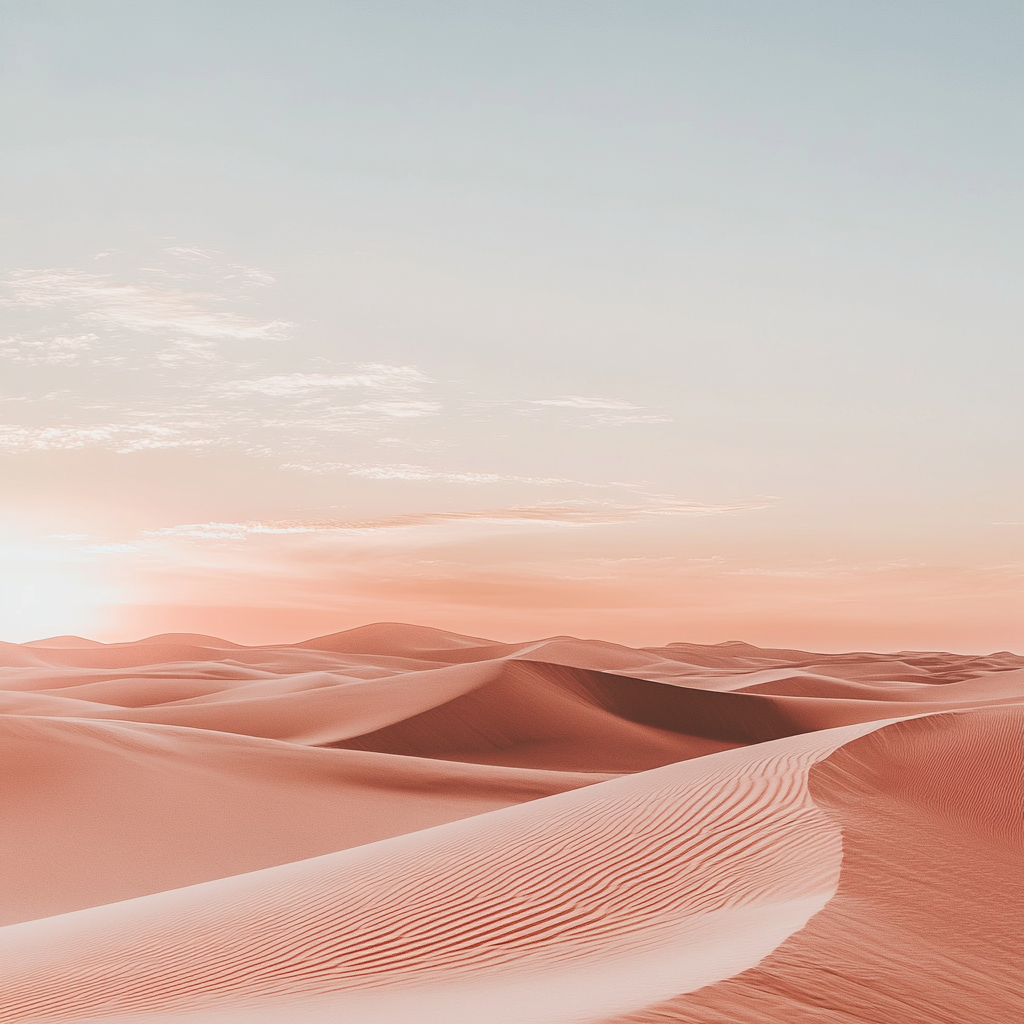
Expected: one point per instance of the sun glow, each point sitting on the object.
(45, 590)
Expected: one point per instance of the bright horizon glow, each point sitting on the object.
(641, 323)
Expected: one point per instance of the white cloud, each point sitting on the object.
(409, 471)
(149, 309)
(376, 391)
(209, 259)
(55, 351)
(402, 410)
(271, 415)
(597, 411)
(371, 376)
(405, 471)
(121, 437)
(581, 402)
(191, 252)
(612, 420)
(188, 352)
(183, 389)
(395, 472)
(179, 392)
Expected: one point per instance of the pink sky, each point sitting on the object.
(631, 568)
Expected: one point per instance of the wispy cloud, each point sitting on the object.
(174, 354)
(407, 471)
(120, 437)
(594, 410)
(145, 308)
(581, 402)
(52, 351)
(371, 376)
(373, 391)
(565, 514)
(401, 410)
(276, 415)
(415, 472)
(622, 419)
(212, 259)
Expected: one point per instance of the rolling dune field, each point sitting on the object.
(398, 824)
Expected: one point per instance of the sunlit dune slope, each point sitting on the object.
(927, 922)
(402, 824)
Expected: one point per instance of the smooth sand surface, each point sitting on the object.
(401, 824)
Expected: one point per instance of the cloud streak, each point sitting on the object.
(565, 514)
(144, 308)
(55, 351)
(595, 410)
(410, 471)
(276, 415)
(371, 376)
(120, 437)
(580, 402)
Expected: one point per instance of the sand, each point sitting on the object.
(400, 824)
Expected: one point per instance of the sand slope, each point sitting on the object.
(401, 824)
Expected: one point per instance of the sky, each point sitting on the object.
(640, 321)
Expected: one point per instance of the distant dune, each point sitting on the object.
(400, 825)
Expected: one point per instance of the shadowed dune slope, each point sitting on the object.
(100, 811)
(399, 824)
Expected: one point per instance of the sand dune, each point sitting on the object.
(402, 824)
(121, 809)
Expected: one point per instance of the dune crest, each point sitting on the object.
(401, 824)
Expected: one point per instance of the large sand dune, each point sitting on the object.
(397, 824)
